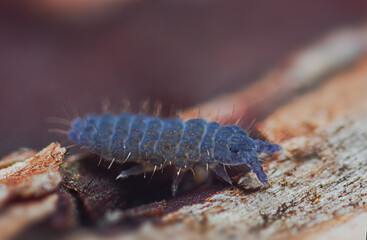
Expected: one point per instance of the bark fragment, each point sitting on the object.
(17, 156)
(33, 177)
(26, 175)
(19, 216)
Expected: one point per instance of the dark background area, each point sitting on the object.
(178, 52)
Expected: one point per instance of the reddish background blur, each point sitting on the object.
(179, 52)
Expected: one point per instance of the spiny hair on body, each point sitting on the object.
(154, 143)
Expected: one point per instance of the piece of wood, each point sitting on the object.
(20, 216)
(30, 178)
(35, 176)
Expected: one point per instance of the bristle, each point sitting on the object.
(199, 111)
(59, 131)
(62, 121)
(154, 169)
(234, 107)
(157, 108)
(126, 105)
(106, 105)
(217, 118)
(71, 108)
(144, 106)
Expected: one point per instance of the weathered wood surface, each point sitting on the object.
(32, 178)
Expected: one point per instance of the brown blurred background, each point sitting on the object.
(178, 52)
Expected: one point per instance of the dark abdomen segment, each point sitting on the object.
(169, 139)
(147, 147)
(188, 150)
(146, 138)
(119, 136)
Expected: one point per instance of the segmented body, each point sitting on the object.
(157, 142)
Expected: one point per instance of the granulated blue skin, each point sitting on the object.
(156, 141)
